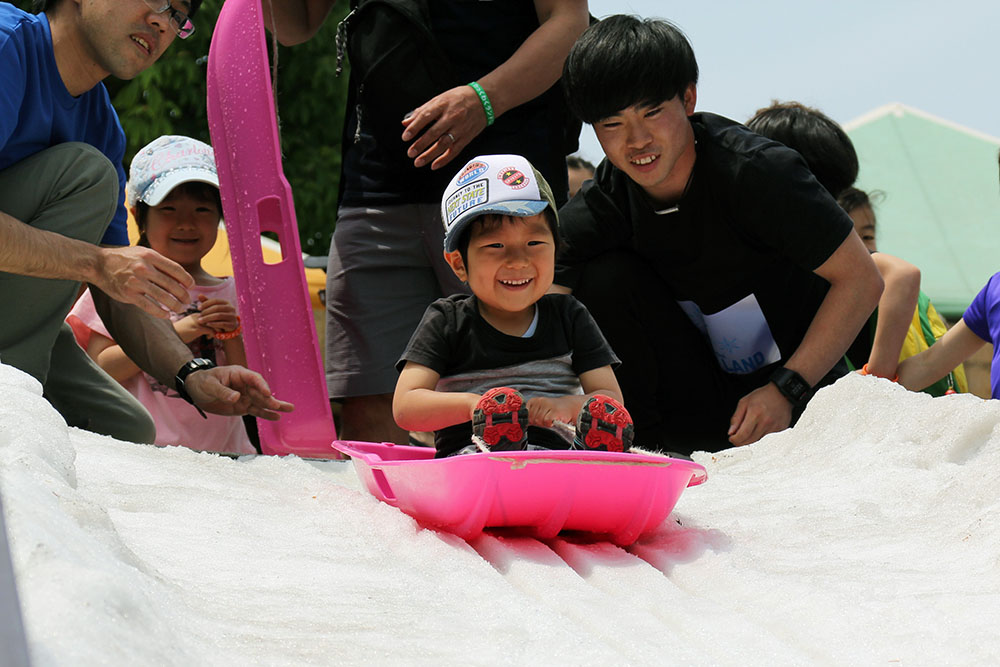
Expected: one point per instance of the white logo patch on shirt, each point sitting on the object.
(739, 334)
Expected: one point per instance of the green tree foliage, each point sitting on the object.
(169, 98)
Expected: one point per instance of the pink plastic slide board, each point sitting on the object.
(277, 320)
(610, 495)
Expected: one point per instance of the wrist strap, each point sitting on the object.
(181, 378)
(864, 371)
(484, 99)
(229, 335)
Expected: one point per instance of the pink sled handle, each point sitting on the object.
(278, 328)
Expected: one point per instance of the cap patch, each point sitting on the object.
(471, 170)
(462, 200)
(513, 178)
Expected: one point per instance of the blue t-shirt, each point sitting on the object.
(37, 112)
(983, 319)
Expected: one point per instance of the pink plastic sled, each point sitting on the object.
(613, 495)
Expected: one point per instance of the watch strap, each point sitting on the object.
(197, 364)
(791, 385)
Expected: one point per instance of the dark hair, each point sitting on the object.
(575, 162)
(852, 198)
(623, 61)
(823, 144)
(43, 5)
(194, 189)
(492, 221)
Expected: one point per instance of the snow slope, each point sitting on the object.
(868, 534)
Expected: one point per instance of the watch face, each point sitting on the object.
(192, 366)
(791, 384)
(797, 387)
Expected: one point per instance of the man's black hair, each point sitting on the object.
(42, 5)
(827, 149)
(623, 61)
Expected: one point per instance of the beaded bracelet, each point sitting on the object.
(484, 99)
(864, 371)
(229, 335)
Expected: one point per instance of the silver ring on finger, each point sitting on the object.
(450, 136)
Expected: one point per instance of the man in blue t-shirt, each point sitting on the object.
(62, 217)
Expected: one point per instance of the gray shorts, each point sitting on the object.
(386, 266)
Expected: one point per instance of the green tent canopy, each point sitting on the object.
(941, 209)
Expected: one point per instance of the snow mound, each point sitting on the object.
(863, 535)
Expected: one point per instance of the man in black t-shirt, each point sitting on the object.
(723, 274)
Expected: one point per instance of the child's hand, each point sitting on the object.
(543, 411)
(218, 315)
(189, 328)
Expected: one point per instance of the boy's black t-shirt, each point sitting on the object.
(748, 233)
(471, 356)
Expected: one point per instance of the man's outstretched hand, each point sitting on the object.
(144, 278)
(234, 390)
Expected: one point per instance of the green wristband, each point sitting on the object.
(485, 100)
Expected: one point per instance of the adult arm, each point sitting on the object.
(529, 72)
(895, 312)
(113, 360)
(296, 21)
(954, 347)
(107, 354)
(135, 275)
(855, 287)
(156, 348)
(416, 406)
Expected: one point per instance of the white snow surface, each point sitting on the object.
(868, 534)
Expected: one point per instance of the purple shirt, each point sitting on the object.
(983, 319)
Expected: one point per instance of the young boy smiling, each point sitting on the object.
(720, 270)
(500, 223)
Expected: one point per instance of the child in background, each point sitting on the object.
(173, 194)
(926, 326)
(500, 237)
(831, 157)
(579, 171)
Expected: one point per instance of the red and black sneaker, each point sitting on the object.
(603, 425)
(501, 419)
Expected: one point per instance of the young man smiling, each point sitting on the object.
(62, 215)
(722, 273)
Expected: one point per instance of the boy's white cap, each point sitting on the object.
(165, 163)
(501, 184)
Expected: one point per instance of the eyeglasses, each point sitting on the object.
(179, 21)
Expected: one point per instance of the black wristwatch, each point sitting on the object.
(196, 364)
(791, 385)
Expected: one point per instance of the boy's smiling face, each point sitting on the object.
(510, 266)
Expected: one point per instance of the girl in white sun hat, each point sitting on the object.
(173, 194)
